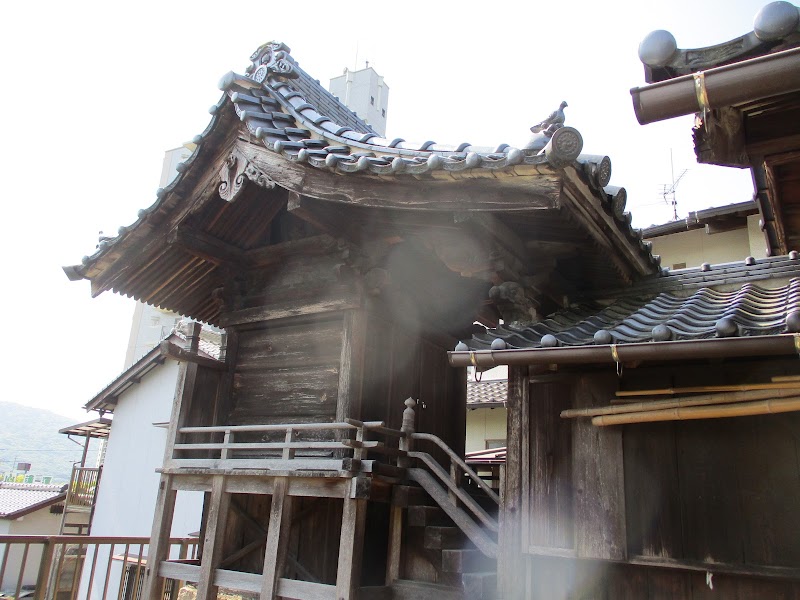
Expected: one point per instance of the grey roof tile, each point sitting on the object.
(19, 498)
(717, 306)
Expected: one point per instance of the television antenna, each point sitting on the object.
(668, 190)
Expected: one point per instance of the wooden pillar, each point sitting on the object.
(395, 544)
(509, 563)
(159, 537)
(214, 536)
(280, 524)
(351, 545)
(351, 374)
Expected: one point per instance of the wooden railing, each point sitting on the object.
(344, 447)
(83, 487)
(85, 567)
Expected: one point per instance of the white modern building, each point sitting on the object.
(365, 93)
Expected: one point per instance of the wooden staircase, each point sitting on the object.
(440, 560)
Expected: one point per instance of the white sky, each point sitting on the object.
(95, 92)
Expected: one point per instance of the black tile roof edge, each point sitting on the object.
(700, 218)
(776, 27)
(559, 152)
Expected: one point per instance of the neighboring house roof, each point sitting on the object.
(299, 143)
(690, 305)
(96, 428)
(493, 456)
(719, 217)
(20, 499)
(487, 394)
(106, 399)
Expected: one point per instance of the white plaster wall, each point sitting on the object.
(356, 88)
(696, 247)
(485, 424)
(129, 485)
(40, 522)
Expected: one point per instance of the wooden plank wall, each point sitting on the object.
(288, 372)
(399, 365)
(600, 503)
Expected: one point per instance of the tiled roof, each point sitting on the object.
(689, 304)
(18, 499)
(287, 113)
(775, 28)
(487, 393)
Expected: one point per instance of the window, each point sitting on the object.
(679, 265)
(383, 113)
(372, 100)
(492, 444)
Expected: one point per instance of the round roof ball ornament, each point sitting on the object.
(603, 337)
(705, 267)
(462, 347)
(726, 327)
(793, 322)
(750, 261)
(549, 341)
(776, 21)
(499, 344)
(657, 48)
(661, 333)
(793, 255)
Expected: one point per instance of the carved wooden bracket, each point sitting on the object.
(236, 172)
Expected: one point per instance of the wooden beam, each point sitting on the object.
(280, 522)
(530, 188)
(177, 353)
(276, 253)
(213, 539)
(298, 206)
(205, 246)
(351, 545)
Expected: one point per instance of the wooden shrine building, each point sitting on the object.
(343, 267)
(627, 474)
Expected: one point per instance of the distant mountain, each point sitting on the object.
(31, 435)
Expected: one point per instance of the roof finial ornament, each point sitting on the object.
(271, 59)
(552, 123)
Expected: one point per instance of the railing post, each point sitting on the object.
(45, 567)
(288, 453)
(455, 477)
(406, 442)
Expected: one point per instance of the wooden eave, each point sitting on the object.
(266, 140)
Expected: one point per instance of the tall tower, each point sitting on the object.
(365, 93)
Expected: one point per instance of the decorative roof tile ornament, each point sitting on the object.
(271, 59)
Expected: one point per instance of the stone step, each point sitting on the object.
(438, 537)
(403, 589)
(422, 516)
(480, 585)
(466, 561)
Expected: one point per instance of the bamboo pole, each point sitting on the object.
(704, 400)
(746, 387)
(761, 407)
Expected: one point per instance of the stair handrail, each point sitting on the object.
(461, 464)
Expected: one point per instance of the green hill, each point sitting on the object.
(31, 435)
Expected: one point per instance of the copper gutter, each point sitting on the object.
(762, 345)
(744, 81)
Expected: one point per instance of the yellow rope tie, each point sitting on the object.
(615, 356)
(797, 343)
(472, 358)
(701, 93)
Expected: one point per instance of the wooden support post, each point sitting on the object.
(192, 343)
(395, 544)
(288, 453)
(351, 546)
(280, 524)
(159, 537)
(214, 536)
(509, 567)
(455, 477)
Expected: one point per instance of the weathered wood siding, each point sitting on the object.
(288, 372)
(641, 511)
